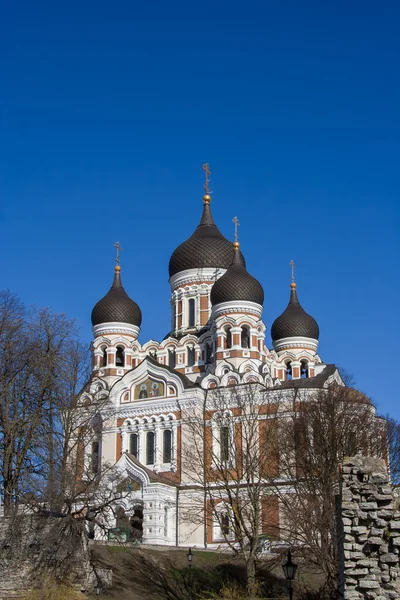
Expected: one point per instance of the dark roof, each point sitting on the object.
(310, 382)
(116, 306)
(294, 321)
(206, 247)
(236, 285)
(154, 477)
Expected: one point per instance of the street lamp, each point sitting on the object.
(189, 556)
(289, 569)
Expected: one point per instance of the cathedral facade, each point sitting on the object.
(216, 342)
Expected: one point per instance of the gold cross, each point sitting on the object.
(117, 245)
(206, 168)
(293, 268)
(237, 224)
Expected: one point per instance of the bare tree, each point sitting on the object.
(230, 449)
(322, 427)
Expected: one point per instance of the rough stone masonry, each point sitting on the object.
(369, 532)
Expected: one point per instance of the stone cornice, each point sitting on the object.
(115, 328)
(194, 276)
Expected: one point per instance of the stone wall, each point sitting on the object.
(368, 532)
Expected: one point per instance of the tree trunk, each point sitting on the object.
(251, 577)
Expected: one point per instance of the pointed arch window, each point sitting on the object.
(224, 443)
(120, 357)
(192, 312)
(150, 448)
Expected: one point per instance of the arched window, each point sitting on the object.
(104, 357)
(150, 448)
(192, 312)
(288, 371)
(228, 337)
(225, 524)
(120, 357)
(209, 352)
(245, 337)
(190, 357)
(94, 458)
(304, 369)
(133, 444)
(167, 446)
(224, 443)
(171, 359)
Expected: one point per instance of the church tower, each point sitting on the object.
(295, 339)
(237, 302)
(193, 268)
(116, 321)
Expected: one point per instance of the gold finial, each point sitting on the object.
(235, 220)
(293, 284)
(206, 197)
(117, 245)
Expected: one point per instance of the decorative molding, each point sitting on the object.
(115, 327)
(295, 342)
(194, 276)
(243, 307)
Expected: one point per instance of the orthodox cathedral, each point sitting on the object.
(216, 340)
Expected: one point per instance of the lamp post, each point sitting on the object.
(289, 569)
(189, 557)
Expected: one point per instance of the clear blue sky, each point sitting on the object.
(108, 110)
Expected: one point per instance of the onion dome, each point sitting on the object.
(116, 306)
(206, 247)
(237, 284)
(294, 321)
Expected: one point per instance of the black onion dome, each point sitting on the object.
(116, 306)
(294, 321)
(237, 285)
(206, 247)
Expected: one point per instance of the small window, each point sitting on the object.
(245, 337)
(288, 371)
(171, 359)
(94, 459)
(190, 357)
(150, 448)
(228, 338)
(104, 357)
(120, 357)
(167, 446)
(209, 353)
(225, 524)
(192, 307)
(224, 442)
(133, 444)
(303, 369)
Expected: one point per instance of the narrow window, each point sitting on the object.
(228, 338)
(209, 353)
(150, 448)
(104, 358)
(95, 458)
(224, 441)
(225, 525)
(288, 371)
(171, 359)
(245, 337)
(192, 306)
(167, 446)
(303, 369)
(133, 444)
(120, 357)
(190, 357)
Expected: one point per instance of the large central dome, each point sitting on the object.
(206, 247)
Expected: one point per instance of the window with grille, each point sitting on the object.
(167, 446)
(133, 444)
(150, 448)
(192, 311)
